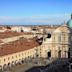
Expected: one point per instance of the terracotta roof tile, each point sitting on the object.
(1, 41)
(11, 34)
(18, 46)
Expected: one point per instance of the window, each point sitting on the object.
(16, 56)
(49, 54)
(22, 54)
(19, 55)
(28, 57)
(8, 58)
(28, 52)
(4, 60)
(12, 57)
(59, 38)
(54, 38)
(25, 53)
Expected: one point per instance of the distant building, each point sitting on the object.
(21, 29)
(2, 29)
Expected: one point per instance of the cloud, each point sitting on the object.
(55, 18)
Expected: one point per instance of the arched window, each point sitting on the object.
(59, 53)
(49, 54)
(8, 58)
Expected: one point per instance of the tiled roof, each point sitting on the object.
(1, 41)
(18, 46)
(1, 27)
(7, 34)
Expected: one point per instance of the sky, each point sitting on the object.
(26, 12)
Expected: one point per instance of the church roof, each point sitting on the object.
(62, 29)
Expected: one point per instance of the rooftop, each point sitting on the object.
(18, 46)
(7, 34)
(1, 41)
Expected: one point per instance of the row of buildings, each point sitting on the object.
(35, 42)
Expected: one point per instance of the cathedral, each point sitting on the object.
(44, 42)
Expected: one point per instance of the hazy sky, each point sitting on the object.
(35, 11)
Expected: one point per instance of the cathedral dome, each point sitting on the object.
(69, 23)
